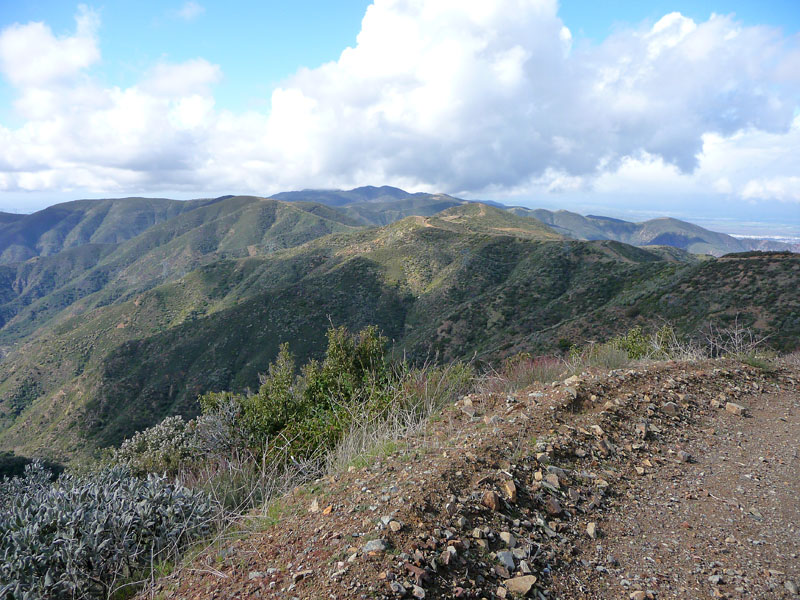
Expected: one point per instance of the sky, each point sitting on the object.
(625, 108)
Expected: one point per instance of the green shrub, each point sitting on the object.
(302, 413)
(168, 447)
(634, 343)
(82, 537)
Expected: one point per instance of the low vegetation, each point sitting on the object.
(95, 534)
(87, 536)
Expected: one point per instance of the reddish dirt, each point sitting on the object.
(715, 494)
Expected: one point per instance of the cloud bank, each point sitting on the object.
(463, 96)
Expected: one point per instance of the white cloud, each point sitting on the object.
(194, 76)
(31, 56)
(785, 189)
(464, 96)
(190, 10)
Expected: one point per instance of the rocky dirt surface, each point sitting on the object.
(674, 480)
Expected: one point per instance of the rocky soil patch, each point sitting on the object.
(671, 481)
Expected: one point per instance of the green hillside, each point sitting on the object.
(102, 340)
(375, 205)
(81, 222)
(86, 277)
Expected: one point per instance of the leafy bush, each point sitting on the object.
(635, 344)
(301, 413)
(167, 448)
(82, 537)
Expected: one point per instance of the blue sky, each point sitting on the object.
(536, 103)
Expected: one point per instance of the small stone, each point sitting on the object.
(397, 588)
(684, 456)
(641, 430)
(509, 490)
(506, 558)
(553, 506)
(417, 592)
(639, 470)
(521, 585)
(378, 545)
(491, 500)
(715, 580)
(300, 575)
(790, 587)
(395, 526)
(552, 479)
(508, 539)
(638, 595)
(735, 409)
(259, 575)
(591, 530)
(671, 409)
(314, 508)
(467, 408)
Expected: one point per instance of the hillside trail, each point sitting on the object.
(672, 480)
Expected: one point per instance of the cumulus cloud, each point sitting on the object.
(463, 96)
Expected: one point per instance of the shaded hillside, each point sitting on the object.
(37, 291)
(71, 224)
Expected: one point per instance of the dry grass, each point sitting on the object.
(418, 395)
(520, 372)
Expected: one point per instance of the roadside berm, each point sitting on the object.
(671, 480)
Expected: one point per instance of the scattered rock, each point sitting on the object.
(508, 539)
(735, 409)
(417, 592)
(491, 500)
(506, 558)
(520, 585)
(671, 409)
(638, 595)
(553, 506)
(591, 530)
(397, 588)
(684, 456)
(509, 490)
(378, 545)
(790, 587)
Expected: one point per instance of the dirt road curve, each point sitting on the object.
(726, 524)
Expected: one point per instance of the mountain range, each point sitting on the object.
(116, 313)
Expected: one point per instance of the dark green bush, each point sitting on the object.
(303, 413)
